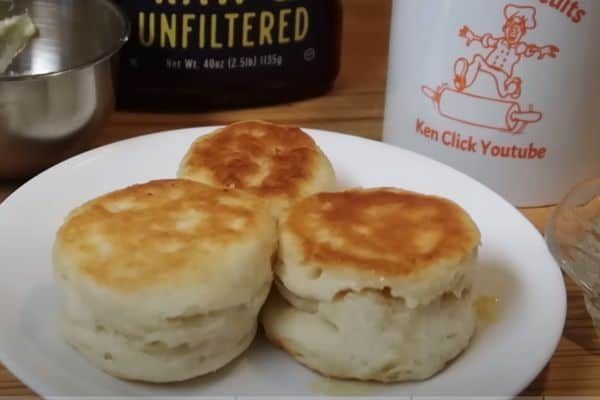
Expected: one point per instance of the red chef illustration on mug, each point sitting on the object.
(499, 59)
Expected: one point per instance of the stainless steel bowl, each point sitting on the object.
(59, 92)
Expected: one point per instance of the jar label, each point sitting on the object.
(212, 36)
(502, 90)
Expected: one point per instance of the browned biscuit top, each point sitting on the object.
(156, 233)
(266, 159)
(389, 232)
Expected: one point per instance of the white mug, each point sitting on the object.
(506, 91)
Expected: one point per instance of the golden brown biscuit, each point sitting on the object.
(413, 245)
(390, 232)
(163, 281)
(275, 162)
(142, 236)
(374, 284)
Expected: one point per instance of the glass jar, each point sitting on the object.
(573, 236)
(195, 54)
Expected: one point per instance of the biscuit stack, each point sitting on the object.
(374, 284)
(164, 281)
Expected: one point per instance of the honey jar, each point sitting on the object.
(195, 54)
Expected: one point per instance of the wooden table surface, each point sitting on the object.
(356, 106)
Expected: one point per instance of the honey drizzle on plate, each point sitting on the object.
(488, 310)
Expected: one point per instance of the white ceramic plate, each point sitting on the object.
(515, 266)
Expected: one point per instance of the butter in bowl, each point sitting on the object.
(56, 90)
(15, 34)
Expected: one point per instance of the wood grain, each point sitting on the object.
(356, 106)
